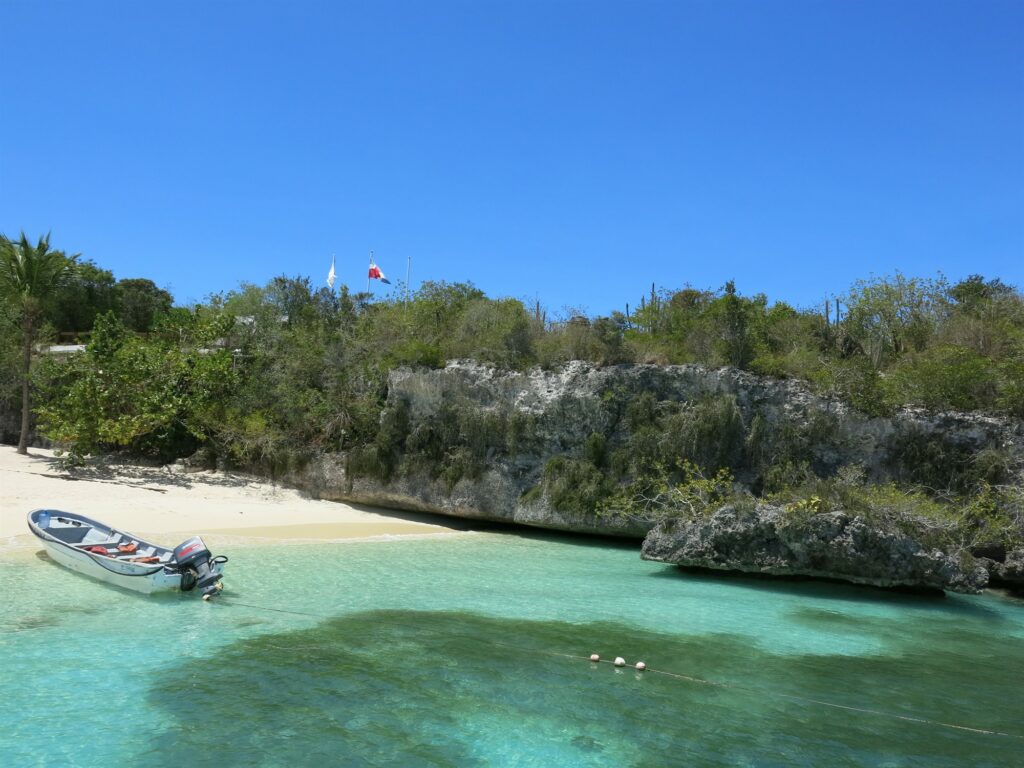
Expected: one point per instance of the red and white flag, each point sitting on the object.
(376, 274)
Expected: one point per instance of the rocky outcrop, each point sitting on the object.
(493, 496)
(1005, 568)
(1010, 572)
(833, 545)
(547, 414)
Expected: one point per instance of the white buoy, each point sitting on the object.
(619, 661)
(594, 657)
(641, 666)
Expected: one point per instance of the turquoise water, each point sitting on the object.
(462, 651)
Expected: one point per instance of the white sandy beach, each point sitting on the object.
(167, 504)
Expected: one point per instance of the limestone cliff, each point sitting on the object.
(580, 399)
(473, 441)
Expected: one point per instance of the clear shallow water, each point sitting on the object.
(439, 652)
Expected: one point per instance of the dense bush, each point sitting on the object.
(152, 397)
(944, 378)
(886, 506)
(994, 515)
(685, 491)
(575, 485)
(889, 342)
(930, 461)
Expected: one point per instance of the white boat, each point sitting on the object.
(97, 550)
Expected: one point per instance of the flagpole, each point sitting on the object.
(368, 272)
(408, 271)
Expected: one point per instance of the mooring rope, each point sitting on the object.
(665, 673)
(791, 697)
(231, 601)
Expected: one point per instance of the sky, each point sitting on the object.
(571, 152)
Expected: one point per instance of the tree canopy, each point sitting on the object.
(30, 278)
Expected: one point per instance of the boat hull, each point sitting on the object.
(146, 578)
(113, 572)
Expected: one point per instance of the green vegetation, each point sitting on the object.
(684, 492)
(154, 397)
(898, 341)
(30, 277)
(267, 376)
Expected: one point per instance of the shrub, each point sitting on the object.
(572, 485)
(944, 378)
(642, 412)
(152, 398)
(708, 433)
(684, 491)
(930, 460)
(416, 353)
(857, 382)
(381, 458)
(595, 449)
(521, 434)
(886, 506)
(493, 331)
(1011, 388)
(787, 474)
(460, 463)
(995, 515)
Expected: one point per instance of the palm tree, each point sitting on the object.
(30, 275)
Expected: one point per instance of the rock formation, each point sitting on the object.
(1005, 568)
(835, 545)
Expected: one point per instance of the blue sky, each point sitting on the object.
(572, 152)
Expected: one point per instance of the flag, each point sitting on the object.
(331, 275)
(376, 274)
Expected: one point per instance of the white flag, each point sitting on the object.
(331, 275)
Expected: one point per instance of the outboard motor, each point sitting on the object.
(197, 566)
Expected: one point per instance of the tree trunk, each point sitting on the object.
(26, 353)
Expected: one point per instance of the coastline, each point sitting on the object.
(166, 504)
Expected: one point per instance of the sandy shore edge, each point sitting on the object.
(166, 504)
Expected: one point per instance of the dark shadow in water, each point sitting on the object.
(28, 623)
(406, 688)
(428, 518)
(944, 630)
(512, 529)
(51, 615)
(1012, 596)
(587, 540)
(829, 589)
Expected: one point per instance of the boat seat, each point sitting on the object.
(108, 543)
